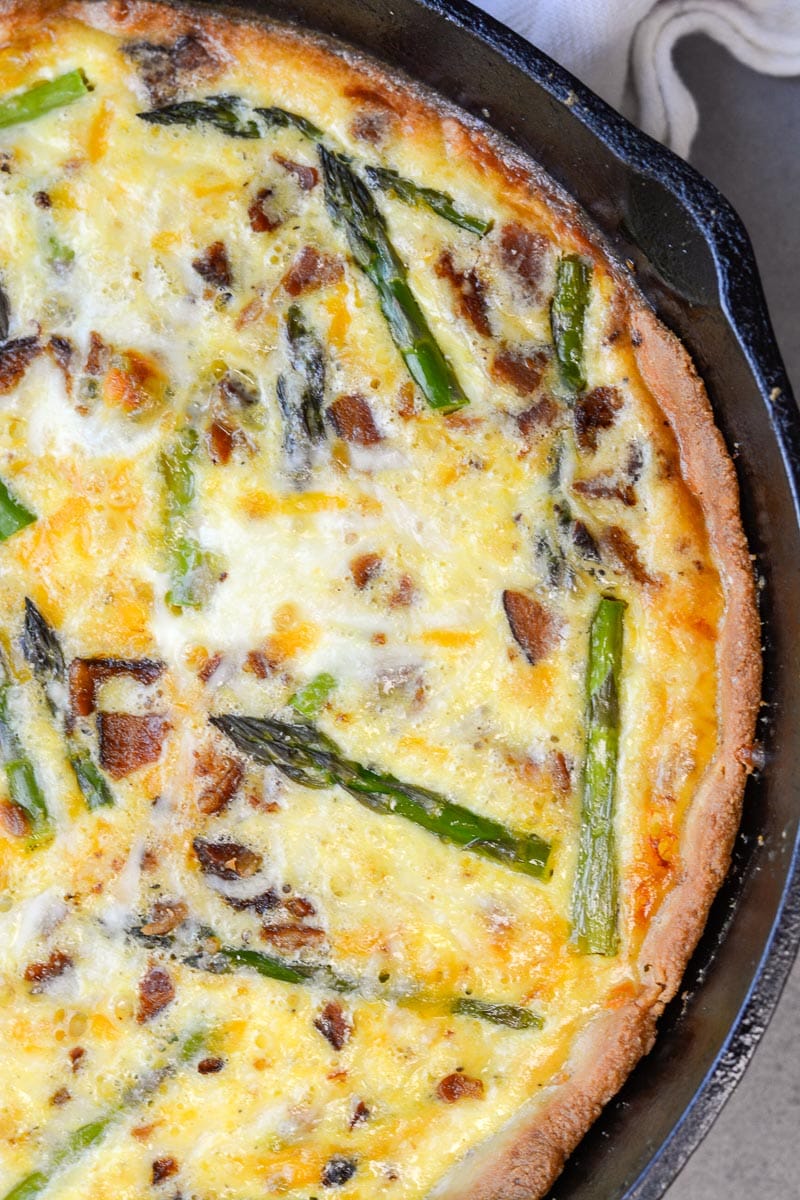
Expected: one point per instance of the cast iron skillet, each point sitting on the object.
(693, 260)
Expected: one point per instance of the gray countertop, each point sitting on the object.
(749, 146)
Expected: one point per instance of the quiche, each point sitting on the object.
(379, 646)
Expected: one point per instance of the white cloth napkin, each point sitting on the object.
(608, 42)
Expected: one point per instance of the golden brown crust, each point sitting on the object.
(521, 1162)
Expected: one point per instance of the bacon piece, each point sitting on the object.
(164, 1168)
(62, 1096)
(524, 252)
(133, 382)
(164, 68)
(220, 774)
(621, 547)
(61, 349)
(539, 416)
(310, 270)
(14, 819)
(262, 214)
(404, 594)
(360, 1114)
(470, 292)
(220, 439)
(606, 487)
(299, 907)
(259, 664)
(15, 358)
(521, 371)
(209, 667)
(227, 860)
(128, 742)
(165, 916)
(156, 991)
(595, 411)
(210, 1065)
(289, 938)
(371, 126)
(333, 1024)
(41, 973)
(307, 177)
(364, 568)
(86, 675)
(353, 420)
(262, 903)
(459, 1086)
(535, 629)
(98, 355)
(76, 1057)
(214, 266)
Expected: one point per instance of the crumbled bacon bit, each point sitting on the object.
(14, 819)
(214, 266)
(353, 420)
(521, 371)
(559, 771)
(164, 1168)
(42, 200)
(209, 667)
(262, 214)
(156, 991)
(364, 568)
(333, 1025)
(407, 401)
(535, 629)
(86, 675)
(98, 355)
(312, 269)
(459, 1086)
(15, 358)
(524, 253)
(61, 350)
(220, 439)
(128, 742)
(595, 411)
(621, 547)
(221, 774)
(76, 1057)
(371, 126)
(41, 973)
(211, 1065)
(470, 291)
(360, 1114)
(262, 903)
(259, 664)
(299, 907)
(404, 594)
(62, 1096)
(165, 916)
(162, 66)
(606, 487)
(291, 937)
(307, 177)
(539, 416)
(227, 860)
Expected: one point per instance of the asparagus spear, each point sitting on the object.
(511, 1015)
(280, 118)
(414, 194)
(223, 112)
(310, 758)
(42, 97)
(83, 1138)
(567, 315)
(189, 565)
(23, 786)
(43, 653)
(13, 513)
(307, 359)
(352, 206)
(594, 896)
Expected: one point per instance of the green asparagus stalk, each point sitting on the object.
(511, 1015)
(44, 655)
(281, 119)
(308, 757)
(567, 316)
(189, 565)
(42, 98)
(13, 513)
(86, 1136)
(352, 206)
(225, 113)
(23, 786)
(414, 194)
(307, 359)
(594, 896)
(310, 699)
